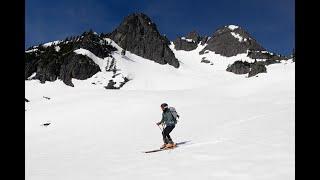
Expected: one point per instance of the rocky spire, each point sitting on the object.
(139, 35)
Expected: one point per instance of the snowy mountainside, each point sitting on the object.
(140, 73)
(129, 71)
(236, 127)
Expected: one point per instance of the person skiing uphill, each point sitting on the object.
(169, 121)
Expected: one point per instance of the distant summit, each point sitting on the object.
(231, 40)
(190, 42)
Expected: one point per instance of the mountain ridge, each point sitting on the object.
(138, 35)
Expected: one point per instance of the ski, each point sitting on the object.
(158, 150)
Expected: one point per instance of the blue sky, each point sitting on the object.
(270, 22)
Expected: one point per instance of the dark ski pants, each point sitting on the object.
(165, 134)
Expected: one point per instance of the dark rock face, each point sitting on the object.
(231, 41)
(239, 67)
(257, 68)
(252, 69)
(205, 60)
(265, 55)
(181, 44)
(194, 36)
(95, 44)
(44, 62)
(139, 35)
(31, 61)
(60, 60)
(77, 66)
(188, 43)
(111, 84)
(203, 40)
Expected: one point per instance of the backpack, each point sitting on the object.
(174, 114)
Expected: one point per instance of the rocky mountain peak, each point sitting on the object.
(231, 40)
(194, 36)
(90, 36)
(139, 35)
(189, 42)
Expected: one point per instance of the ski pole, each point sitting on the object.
(160, 128)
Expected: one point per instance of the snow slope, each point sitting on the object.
(238, 127)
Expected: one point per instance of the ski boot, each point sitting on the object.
(163, 146)
(171, 144)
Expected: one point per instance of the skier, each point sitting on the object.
(169, 121)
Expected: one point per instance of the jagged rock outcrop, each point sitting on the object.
(239, 67)
(194, 36)
(58, 60)
(206, 60)
(188, 43)
(256, 68)
(139, 35)
(204, 40)
(252, 69)
(77, 66)
(95, 44)
(230, 41)
(112, 84)
(265, 55)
